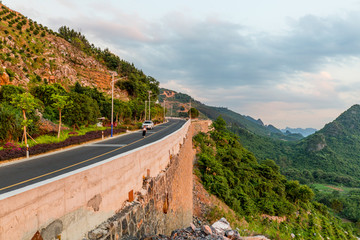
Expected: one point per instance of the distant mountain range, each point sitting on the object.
(178, 101)
(303, 131)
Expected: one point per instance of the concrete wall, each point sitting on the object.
(164, 204)
(74, 204)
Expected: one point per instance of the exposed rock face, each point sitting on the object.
(316, 143)
(4, 79)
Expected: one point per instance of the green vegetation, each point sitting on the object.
(81, 106)
(331, 155)
(44, 139)
(194, 113)
(343, 201)
(251, 189)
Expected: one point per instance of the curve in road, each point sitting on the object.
(23, 175)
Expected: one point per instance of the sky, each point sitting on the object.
(291, 63)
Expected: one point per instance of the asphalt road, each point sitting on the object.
(25, 173)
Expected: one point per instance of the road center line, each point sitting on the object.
(104, 145)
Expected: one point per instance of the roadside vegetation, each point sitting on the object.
(80, 110)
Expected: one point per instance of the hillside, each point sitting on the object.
(43, 68)
(32, 53)
(331, 155)
(180, 103)
(336, 147)
(259, 193)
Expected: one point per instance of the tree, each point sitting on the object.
(60, 102)
(27, 103)
(8, 91)
(83, 111)
(44, 93)
(194, 113)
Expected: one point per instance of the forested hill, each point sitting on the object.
(331, 155)
(180, 103)
(336, 147)
(257, 191)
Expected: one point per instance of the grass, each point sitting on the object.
(63, 136)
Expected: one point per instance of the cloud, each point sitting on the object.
(218, 53)
(225, 63)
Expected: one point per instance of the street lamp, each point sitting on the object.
(113, 73)
(149, 103)
(164, 111)
(112, 101)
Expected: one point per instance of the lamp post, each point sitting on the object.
(112, 103)
(149, 103)
(113, 73)
(164, 111)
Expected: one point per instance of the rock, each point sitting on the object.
(192, 227)
(232, 234)
(221, 226)
(206, 229)
(96, 234)
(260, 237)
(229, 233)
(4, 79)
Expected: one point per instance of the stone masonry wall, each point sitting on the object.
(164, 204)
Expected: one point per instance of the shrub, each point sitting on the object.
(11, 146)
